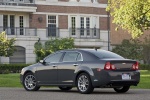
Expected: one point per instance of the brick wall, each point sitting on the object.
(34, 21)
(63, 22)
(103, 1)
(73, 9)
(103, 23)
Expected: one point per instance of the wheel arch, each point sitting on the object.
(28, 71)
(91, 74)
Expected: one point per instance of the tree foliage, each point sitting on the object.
(130, 49)
(6, 45)
(51, 46)
(131, 15)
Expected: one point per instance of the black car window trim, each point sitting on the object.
(76, 57)
(79, 54)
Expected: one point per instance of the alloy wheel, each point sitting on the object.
(30, 82)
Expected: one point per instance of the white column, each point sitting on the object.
(1, 20)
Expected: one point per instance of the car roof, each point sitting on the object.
(88, 50)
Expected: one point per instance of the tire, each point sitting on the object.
(65, 88)
(29, 82)
(122, 89)
(84, 84)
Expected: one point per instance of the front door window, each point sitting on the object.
(55, 58)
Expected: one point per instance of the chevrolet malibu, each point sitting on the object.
(85, 69)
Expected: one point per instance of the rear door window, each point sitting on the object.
(72, 57)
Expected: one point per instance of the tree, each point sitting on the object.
(131, 15)
(6, 45)
(146, 50)
(130, 49)
(51, 46)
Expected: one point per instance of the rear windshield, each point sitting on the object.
(105, 54)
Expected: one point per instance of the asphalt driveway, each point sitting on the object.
(56, 94)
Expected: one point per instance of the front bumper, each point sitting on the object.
(21, 78)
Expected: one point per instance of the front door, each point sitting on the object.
(47, 72)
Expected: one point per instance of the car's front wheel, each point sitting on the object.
(65, 88)
(30, 83)
(122, 89)
(84, 84)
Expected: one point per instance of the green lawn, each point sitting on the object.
(13, 80)
(144, 80)
(10, 80)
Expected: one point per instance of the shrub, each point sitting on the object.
(13, 68)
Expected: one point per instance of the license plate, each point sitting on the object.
(126, 77)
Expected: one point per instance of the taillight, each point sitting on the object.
(135, 66)
(109, 66)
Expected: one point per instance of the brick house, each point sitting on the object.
(32, 20)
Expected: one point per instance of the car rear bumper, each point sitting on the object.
(114, 78)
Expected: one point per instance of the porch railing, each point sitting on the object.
(52, 32)
(19, 31)
(18, 2)
(85, 33)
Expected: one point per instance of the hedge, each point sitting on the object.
(11, 68)
(144, 67)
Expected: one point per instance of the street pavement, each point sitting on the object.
(56, 94)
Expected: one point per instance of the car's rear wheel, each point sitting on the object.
(30, 83)
(84, 84)
(64, 88)
(122, 89)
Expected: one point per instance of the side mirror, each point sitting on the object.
(41, 61)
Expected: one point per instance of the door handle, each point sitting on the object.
(54, 65)
(75, 64)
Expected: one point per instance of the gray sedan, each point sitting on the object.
(85, 69)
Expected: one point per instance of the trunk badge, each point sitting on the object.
(123, 63)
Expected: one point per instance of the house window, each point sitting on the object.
(5, 22)
(52, 25)
(21, 25)
(87, 25)
(12, 24)
(94, 26)
(9, 24)
(73, 26)
(84, 26)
